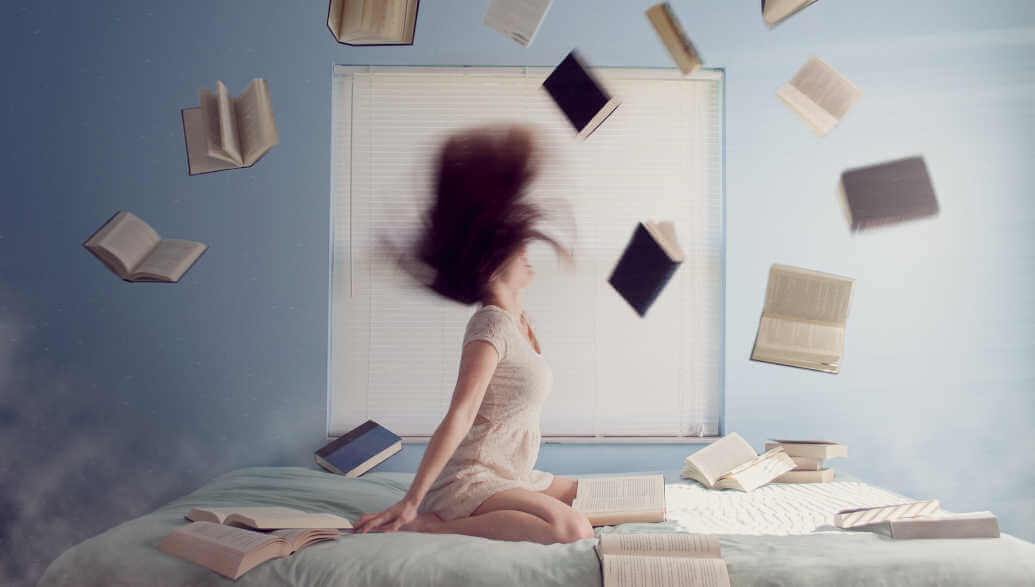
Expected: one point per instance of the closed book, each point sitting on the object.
(359, 450)
(807, 463)
(776, 11)
(888, 193)
(816, 449)
(579, 95)
(647, 264)
(672, 35)
(969, 525)
(820, 476)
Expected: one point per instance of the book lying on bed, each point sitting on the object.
(649, 560)
(232, 551)
(227, 132)
(672, 35)
(731, 463)
(819, 95)
(941, 525)
(851, 518)
(607, 501)
(808, 457)
(517, 19)
(359, 450)
(804, 318)
(647, 264)
(579, 95)
(267, 518)
(133, 250)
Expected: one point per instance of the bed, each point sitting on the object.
(776, 535)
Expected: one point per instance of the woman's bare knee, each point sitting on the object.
(571, 528)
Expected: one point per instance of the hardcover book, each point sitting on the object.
(803, 320)
(941, 525)
(373, 22)
(825, 475)
(851, 518)
(359, 450)
(890, 192)
(607, 501)
(517, 19)
(131, 249)
(649, 560)
(227, 132)
(776, 11)
(819, 95)
(647, 264)
(672, 35)
(731, 463)
(579, 95)
(814, 449)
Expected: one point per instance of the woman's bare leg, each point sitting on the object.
(562, 488)
(514, 515)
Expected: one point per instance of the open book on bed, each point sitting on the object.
(267, 518)
(731, 463)
(607, 501)
(650, 560)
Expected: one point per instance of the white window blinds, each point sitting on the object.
(395, 347)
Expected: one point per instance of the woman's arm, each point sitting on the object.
(477, 365)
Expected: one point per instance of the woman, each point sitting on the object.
(476, 476)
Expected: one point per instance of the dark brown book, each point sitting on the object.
(889, 192)
(579, 95)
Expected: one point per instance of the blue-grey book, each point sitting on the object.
(359, 450)
(648, 263)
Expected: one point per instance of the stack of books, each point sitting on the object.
(808, 457)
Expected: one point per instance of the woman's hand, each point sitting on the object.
(388, 520)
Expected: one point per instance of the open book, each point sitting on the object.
(373, 22)
(647, 264)
(731, 463)
(267, 518)
(232, 551)
(133, 250)
(607, 501)
(649, 560)
(803, 321)
(227, 132)
(819, 95)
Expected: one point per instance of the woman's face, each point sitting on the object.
(516, 271)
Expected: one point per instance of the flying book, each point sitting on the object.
(776, 11)
(359, 450)
(851, 518)
(579, 95)
(227, 132)
(819, 95)
(803, 321)
(890, 192)
(232, 551)
(647, 264)
(939, 525)
(267, 518)
(731, 463)
(672, 35)
(518, 19)
(131, 249)
(649, 560)
(373, 22)
(607, 501)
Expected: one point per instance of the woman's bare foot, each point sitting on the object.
(425, 522)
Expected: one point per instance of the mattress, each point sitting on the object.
(776, 535)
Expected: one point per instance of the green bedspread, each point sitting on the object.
(128, 554)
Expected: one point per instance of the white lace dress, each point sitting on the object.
(502, 446)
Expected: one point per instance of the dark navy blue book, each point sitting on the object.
(579, 95)
(359, 450)
(648, 263)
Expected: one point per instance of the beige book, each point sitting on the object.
(373, 22)
(731, 463)
(232, 551)
(775, 11)
(819, 95)
(267, 518)
(131, 249)
(941, 525)
(672, 35)
(805, 463)
(803, 320)
(517, 19)
(227, 132)
(607, 501)
(651, 560)
(809, 449)
(851, 518)
(821, 476)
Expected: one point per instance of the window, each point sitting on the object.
(395, 347)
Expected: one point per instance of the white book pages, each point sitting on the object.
(851, 518)
(757, 472)
(127, 239)
(700, 545)
(518, 19)
(195, 132)
(718, 458)
(169, 260)
(258, 131)
(819, 95)
(596, 495)
(663, 571)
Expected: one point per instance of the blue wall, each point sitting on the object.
(116, 397)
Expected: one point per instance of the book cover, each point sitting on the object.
(672, 35)
(890, 192)
(776, 11)
(517, 19)
(359, 450)
(643, 270)
(579, 95)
